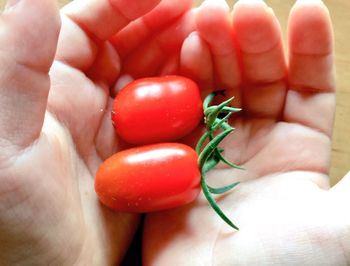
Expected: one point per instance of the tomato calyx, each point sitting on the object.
(216, 120)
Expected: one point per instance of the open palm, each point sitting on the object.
(55, 129)
(286, 213)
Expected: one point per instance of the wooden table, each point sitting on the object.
(338, 10)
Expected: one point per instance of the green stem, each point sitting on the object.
(211, 146)
(213, 204)
(201, 141)
(208, 100)
(221, 122)
(213, 113)
(225, 109)
(210, 155)
(210, 164)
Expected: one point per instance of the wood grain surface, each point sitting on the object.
(339, 14)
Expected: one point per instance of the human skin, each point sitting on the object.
(55, 130)
(285, 209)
(55, 126)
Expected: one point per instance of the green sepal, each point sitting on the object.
(221, 123)
(211, 146)
(223, 109)
(210, 164)
(208, 100)
(211, 97)
(213, 204)
(209, 156)
(231, 109)
(213, 111)
(223, 159)
(222, 190)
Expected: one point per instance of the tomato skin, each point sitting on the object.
(149, 178)
(157, 109)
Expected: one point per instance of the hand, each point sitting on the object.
(55, 129)
(284, 206)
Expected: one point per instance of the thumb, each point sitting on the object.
(28, 39)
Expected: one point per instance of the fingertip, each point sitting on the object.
(256, 27)
(214, 25)
(210, 11)
(98, 19)
(134, 9)
(104, 18)
(195, 58)
(214, 4)
(121, 82)
(310, 29)
(309, 3)
(136, 33)
(193, 40)
(171, 39)
(166, 11)
(106, 67)
(71, 38)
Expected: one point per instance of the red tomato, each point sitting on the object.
(157, 109)
(149, 178)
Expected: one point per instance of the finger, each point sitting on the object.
(75, 47)
(171, 66)
(215, 27)
(24, 80)
(311, 99)
(262, 58)
(86, 23)
(139, 30)
(107, 141)
(196, 62)
(106, 67)
(77, 102)
(104, 18)
(148, 59)
(121, 82)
